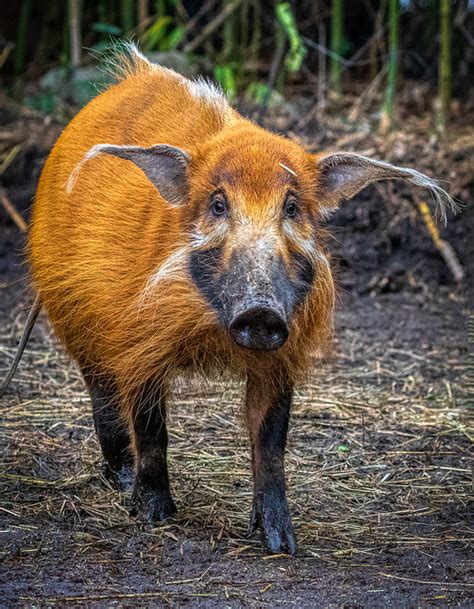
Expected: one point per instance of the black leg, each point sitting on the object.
(113, 436)
(268, 410)
(151, 494)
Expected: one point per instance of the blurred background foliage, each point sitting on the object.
(260, 50)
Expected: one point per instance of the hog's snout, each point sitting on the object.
(259, 327)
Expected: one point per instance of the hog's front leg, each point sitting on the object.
(151, 495)
(267, 411)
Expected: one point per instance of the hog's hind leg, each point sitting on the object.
(151, 494)
(113, 435)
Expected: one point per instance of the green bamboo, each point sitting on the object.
(229, 32)
(244, 26)
(337, 39)
(127, 14)
(21, 36)
(160, 8)
(444, 78)
(102, 11)
(65, 55)
(375, 46)
(74, 15)
(388, 107)
(256, 42)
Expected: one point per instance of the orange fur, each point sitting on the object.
(93, 251)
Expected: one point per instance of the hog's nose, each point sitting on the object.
(260, 328)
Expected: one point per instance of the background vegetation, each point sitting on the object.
(263, 49)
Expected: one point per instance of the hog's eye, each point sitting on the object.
(218, 205)
(291, 206)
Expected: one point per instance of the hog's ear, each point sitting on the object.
(165, 166)
(342, 175)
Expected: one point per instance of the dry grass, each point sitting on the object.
(373, 453)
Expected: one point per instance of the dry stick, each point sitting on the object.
(5, 53)
(12, 212)
(36, 307)
(445, 249)
(367, 96)
(191, 23)
(30, 322)
(211, 26)
(10, 157)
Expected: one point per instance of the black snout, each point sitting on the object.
(260, 328)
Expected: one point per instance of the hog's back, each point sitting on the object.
(93, 249)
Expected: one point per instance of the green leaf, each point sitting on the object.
(298, 50)
(257, 92)
(43, 102)
(156, 33)
(106, 28)
(343, 448)
(173, 39)
(225, 75)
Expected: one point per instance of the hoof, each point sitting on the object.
(152, 506)
(122, 478)
(273, 521)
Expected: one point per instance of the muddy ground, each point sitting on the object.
(379, 458)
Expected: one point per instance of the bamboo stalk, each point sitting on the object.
(244, 25)
(337, 37)
(127, 15)
(256, 40)
(444, 77)
(66, 51)
(387, 116)
(160, 8)
(21, 35)
(75, 32)
(229, 32)
(375, 42)
(142, 8)
(321, 93)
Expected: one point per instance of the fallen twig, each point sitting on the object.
(12, 212)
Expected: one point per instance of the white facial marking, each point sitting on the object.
(306, 245)
(171, 268)
(199, 239)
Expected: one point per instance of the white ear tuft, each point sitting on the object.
(90, 154)
(343, 174)
(165, 166)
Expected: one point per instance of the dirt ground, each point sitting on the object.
(379, 462)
